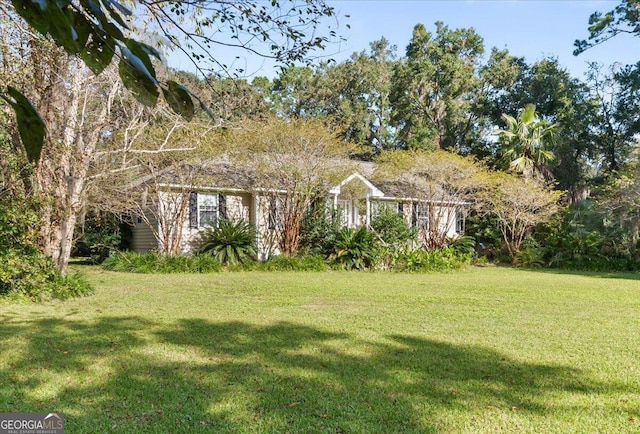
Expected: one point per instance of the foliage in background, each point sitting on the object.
(580, 238)
(230, 242)
(97, 237)
(97, 36)
(435, 86)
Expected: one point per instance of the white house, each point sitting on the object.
(229, 192)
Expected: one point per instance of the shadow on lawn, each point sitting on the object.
(133, 375)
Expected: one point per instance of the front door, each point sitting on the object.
(345, 213)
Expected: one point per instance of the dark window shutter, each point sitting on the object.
(273, 211)
(193, 209)
(414, 215)
(401, 208)
(222, 206)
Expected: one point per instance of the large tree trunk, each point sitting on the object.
(62, 171)
(59, 181)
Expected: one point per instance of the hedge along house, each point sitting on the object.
(180, 210)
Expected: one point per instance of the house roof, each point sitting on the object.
(224, 175)
(221, 174)
(375, 191)
(402, 189)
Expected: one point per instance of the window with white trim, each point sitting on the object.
(459, 221)
(378, 206)
(421, 216)
(344, 212)
(276, 213)
(207, 209)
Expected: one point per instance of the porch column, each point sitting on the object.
(256, 220)
(368, 216)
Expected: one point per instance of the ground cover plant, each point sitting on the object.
(482, 350)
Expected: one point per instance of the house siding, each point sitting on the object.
(238, 208)
(266, 237)
(142, 238)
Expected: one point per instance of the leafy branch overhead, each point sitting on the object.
(624, 18)
(95, 31)
(30, 125)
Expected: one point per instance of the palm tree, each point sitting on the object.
(524, 143)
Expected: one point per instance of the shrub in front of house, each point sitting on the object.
(230, 242)
(34, 277)
(131, 262)
(294, 263)
(420, 260)
(319, 227)
(354, 249)
(392, 228)
(97, 237)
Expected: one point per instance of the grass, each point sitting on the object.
(479, 351)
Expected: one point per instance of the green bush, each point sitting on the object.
(319, 227)
(34, 277)
(131, 262)
(71, 285)
(97, 237)
(463, 245)
(488, 238)
(25, 273)
(392, 228)
(295, 263)
(579, 239)
(18, 224)
(422, 260)
(530, 257)
(230, 242)
(354, 249)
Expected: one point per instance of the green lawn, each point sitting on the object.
(479, 351)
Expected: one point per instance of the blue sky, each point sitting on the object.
(529, 28)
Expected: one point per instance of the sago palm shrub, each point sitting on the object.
(230, 242)
(354, 249)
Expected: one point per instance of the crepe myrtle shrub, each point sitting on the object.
(230, 242)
